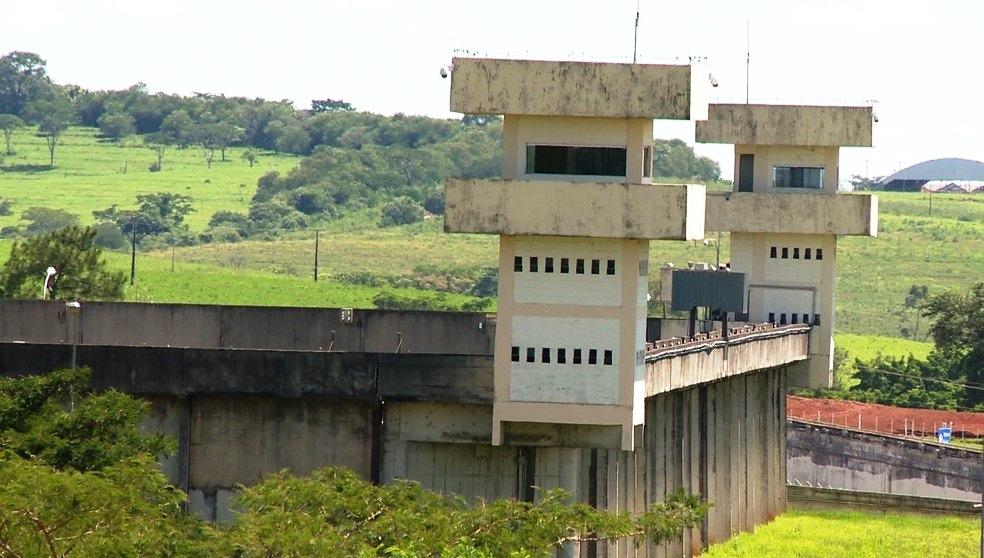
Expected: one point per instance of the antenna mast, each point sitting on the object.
(748, 57)
(635, 39)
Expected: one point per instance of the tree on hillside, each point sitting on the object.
(163, 212)
(913, 300)
(44, 220)
(52, 115)
(958, 331)
(861, 183)
(116, 125)
(294, 139)
(330, 105)
(8, 124)
(676, 159)
(157, 143)
(217, 135)
(178, 128)
(81, 271)
(250, 156)
(23, 79)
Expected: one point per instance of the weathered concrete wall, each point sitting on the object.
(786, 125)
(792, 213)
(156, 371)
(724, 440)
(852, 460)
(534, 87)
(251, 327)
(579, 209)
(812, 498)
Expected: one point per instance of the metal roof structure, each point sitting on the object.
(940, 169)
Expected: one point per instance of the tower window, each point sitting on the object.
(794, 317)
(548, 265)
(534, 264)
(530, 354)
(773, 252)
(785, 253)
(807, 252)
(608, 357)
(515, 354)
(819, 253)
(561, 356)
(518, 263)
(545, 355)
(796, 253)
(797, 177)
(577, 356)
(595, 267)
(566, 159)
(565, 265)
(816, 319)
(579, 266)
(611, 267)
(592, 356)
(782, 319)
(806, 318)
(772, 317)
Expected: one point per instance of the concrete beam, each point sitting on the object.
(578, 209)
(787, 125)
(786, 213)
(695, 367)
(591, 89)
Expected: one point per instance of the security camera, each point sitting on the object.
(444, 73)
(714, 81)
(874, 117)
(445, 70)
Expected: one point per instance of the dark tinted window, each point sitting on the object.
(592, 356)
(565, 265)
(595, 267)
(534, 264)
(611, 267)
(548, 265)
(545, 355)
(580, 266)
(819, 253)
(530, 354)
(773, 252)
(518, 263)
(577, 356)
(515, 354)
(608, 357)
(564, 159)
(561, 356)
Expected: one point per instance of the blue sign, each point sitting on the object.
(944, 434)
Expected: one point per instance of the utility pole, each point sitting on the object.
(133, 252)
(748, 57)
(635, 37)
(317, 242)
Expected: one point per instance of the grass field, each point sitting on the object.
(845, 534)
(867, 347)
(942, 250)
(88, 175)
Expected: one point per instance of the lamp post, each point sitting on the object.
(74, 309)
(717, 248)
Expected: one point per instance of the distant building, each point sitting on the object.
(938, 175)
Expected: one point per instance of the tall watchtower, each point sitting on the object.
(785, 213)
(574, 210)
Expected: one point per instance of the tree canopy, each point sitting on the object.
(82, 274)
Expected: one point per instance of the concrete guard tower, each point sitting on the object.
(785, 214)
(574, 212)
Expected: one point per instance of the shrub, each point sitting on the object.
(434, 203)
(401, 211)
(5, 207)
(108, 235)
(154, 167)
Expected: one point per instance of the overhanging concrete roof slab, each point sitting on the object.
(755, 212)
(582, 209)
(589, 89)
(787, 125)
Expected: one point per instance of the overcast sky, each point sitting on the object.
(922, 62)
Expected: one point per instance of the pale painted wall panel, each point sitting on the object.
(585, 289)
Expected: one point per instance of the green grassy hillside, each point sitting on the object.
(88, 175)
(942, 250)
